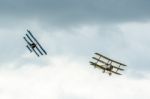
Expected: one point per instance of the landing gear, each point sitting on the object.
(104, 71)
(110, 74)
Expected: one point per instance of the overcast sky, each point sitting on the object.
(71, 31)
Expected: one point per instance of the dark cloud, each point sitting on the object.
(69, 12)
(42, 15)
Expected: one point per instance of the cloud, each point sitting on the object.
(126, 43)
(136, 36)
(64, 78)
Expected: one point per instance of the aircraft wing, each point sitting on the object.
(107, 63)
(94, 64)
(116, 73)
(118, 68)
(110, 59)
(37, 42)
(29, 48)
(26, 41)
(35, 46)
(99, 66)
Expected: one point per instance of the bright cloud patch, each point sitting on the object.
(64, 78)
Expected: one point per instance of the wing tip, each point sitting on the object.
(96, 53)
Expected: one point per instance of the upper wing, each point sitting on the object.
(110, 59)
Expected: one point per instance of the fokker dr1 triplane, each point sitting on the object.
(33, 45)
(107, 64)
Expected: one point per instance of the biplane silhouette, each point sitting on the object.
(33, 45)
(107, 64)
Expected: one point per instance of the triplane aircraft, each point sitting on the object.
(33, 45)
(107, 64)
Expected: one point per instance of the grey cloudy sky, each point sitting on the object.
(71, 31)
(70, 12)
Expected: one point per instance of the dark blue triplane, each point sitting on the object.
(33, 45)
